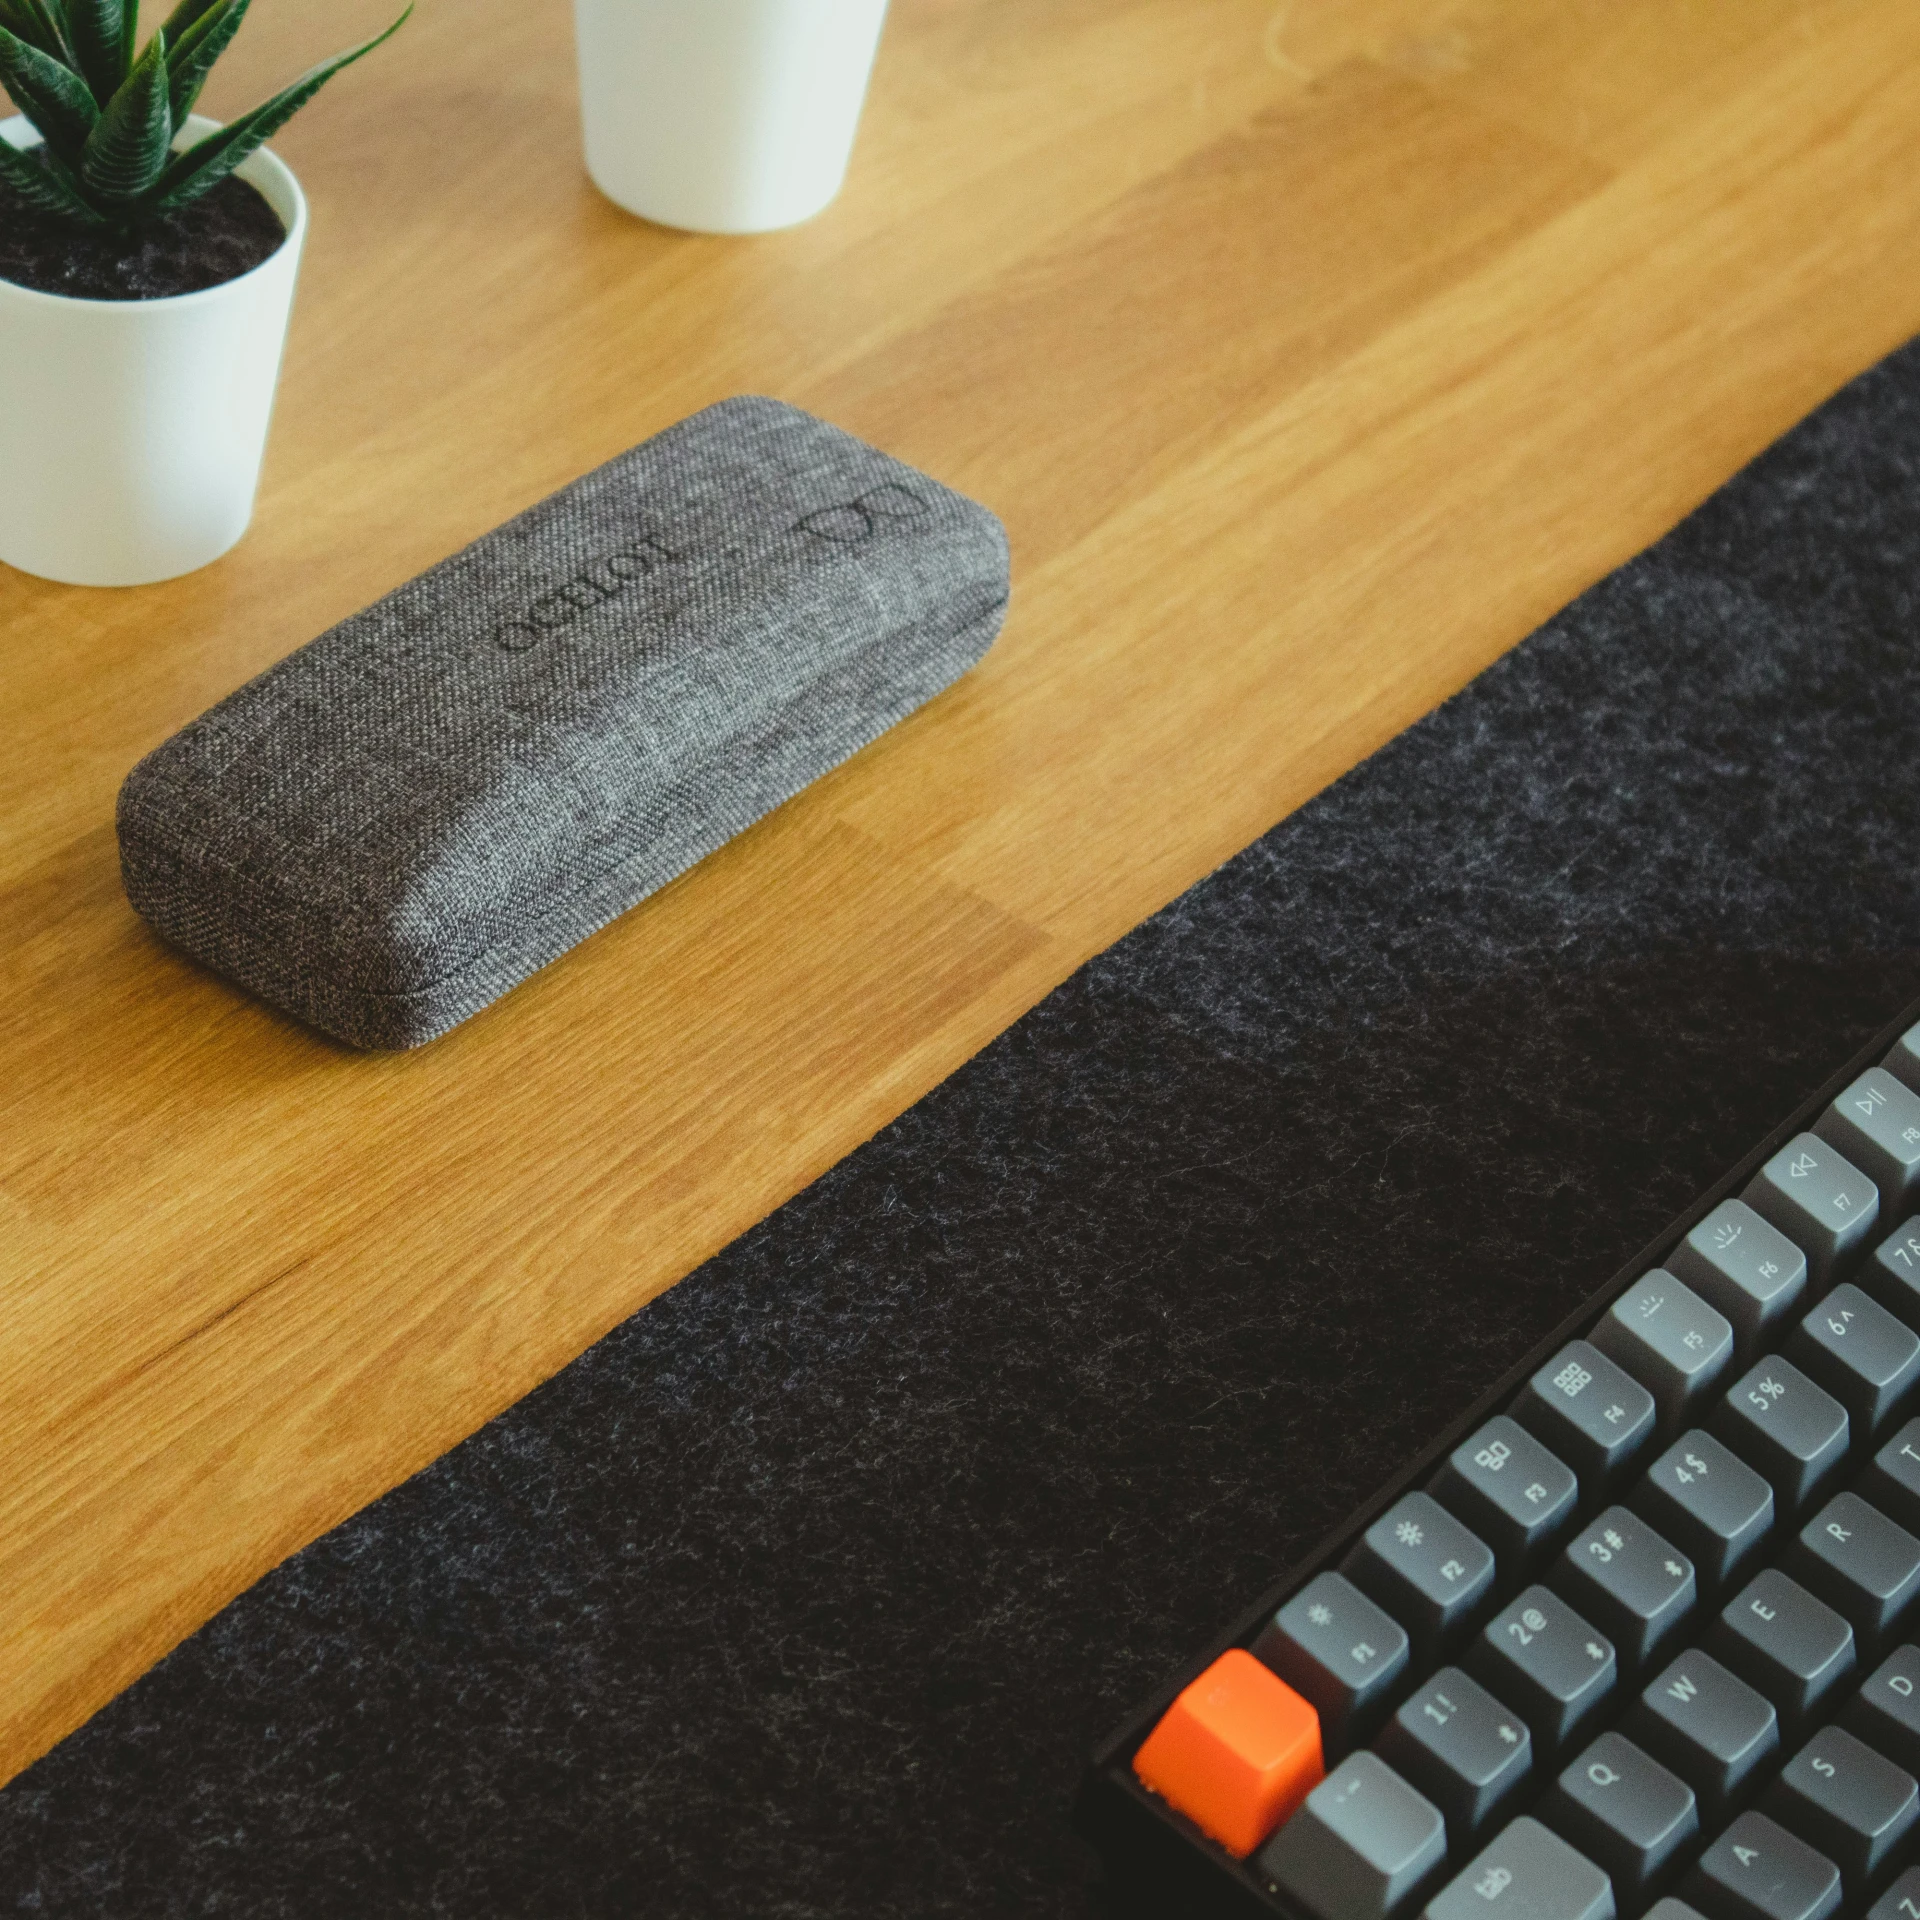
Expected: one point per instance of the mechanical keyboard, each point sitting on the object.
(1640, 1635)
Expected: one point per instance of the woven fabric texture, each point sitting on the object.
(390, 828)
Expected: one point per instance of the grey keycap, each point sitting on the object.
(1862, 1565)
(1714, 1507)
(1671, 1909)
(1716, 1732)
(1555, 1669)
(1876, 1125)
(1360, 1847)
(1466, 1752)
(1794, 1648)
(1427, 1569)
(1885, 1713)
(1746, 1267)
(1340, 1652)
(1865, 1357)
(1527, 1873)
(1757, 1870)
(1840, 1796)
(1819, 1199)
(1903, 1058)
(1513, 1492)
(1901, 1901)
(1634, 1585)
(1892, 1274)
(1626, 1813)
(1787, 1428)
(1670, 1340)
(1892, 1478)
(1589, 1412)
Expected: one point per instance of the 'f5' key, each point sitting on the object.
(1670, 1340)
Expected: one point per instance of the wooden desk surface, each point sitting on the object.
(1313, 353)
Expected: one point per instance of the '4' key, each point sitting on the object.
(1710, 1504)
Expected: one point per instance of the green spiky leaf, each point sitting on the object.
(191, 57)
(201, 168)
(184, 17)
(37, 177)
(127, 152)
(20, 22)
(101, 46)
(109, 119)
(49, 93)
(41, 24)
(54, 14)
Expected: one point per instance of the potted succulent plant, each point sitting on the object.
(726, 116)
(147, 264)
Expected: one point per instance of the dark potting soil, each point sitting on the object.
(222, 235)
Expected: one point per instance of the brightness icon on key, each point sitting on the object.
(1319, 1615)
(1408, 1534)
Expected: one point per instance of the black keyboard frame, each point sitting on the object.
(1158, 1854)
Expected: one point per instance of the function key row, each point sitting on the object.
(1617, 1595)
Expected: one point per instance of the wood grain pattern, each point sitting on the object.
(1314, 352)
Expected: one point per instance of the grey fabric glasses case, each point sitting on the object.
(415, 811)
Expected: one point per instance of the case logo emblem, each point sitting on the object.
(591, 587)
(853, 521)
(850, 523)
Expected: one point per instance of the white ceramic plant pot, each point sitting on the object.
(131, 430)
(726, 116)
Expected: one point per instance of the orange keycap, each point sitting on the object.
(1236, 1752)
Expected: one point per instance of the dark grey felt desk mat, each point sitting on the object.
(805, 1592)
